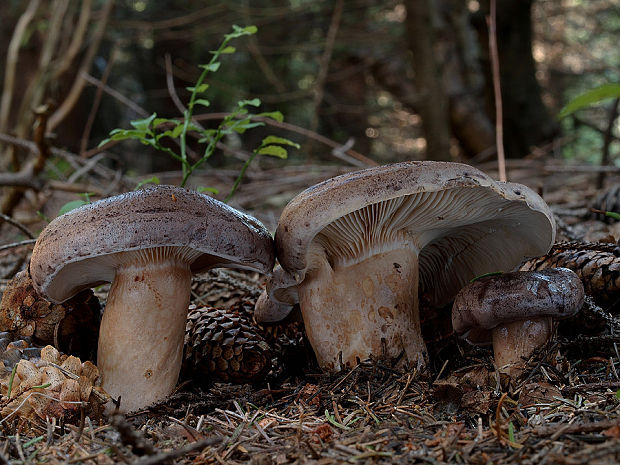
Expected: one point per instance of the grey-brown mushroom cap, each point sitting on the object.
(81, 248)
(491, 301)
(464, 223)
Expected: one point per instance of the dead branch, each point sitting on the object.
(25, 177)
(95, 106)
(36, 165)
(14, 245)
(39, 83)
(77, 39)
(17, 224)
(79, 83)
(11, 62)
(117, 95)
(499, 126)
(358, 159)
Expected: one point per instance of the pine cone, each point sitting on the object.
(596, 264)
(13, 350)
(52, 385)
(226, 345)
(73, 325)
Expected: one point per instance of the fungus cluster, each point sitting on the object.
(354, 248)
(352, 252)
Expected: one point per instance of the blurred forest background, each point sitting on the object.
(359, 82)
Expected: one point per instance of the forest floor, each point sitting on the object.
(564, 409)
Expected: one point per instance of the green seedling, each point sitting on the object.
(73, 204)
(156, 132)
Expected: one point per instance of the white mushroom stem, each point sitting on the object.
(368, 307)
(142, 330)
(516, 341)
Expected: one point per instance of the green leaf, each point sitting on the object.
(276, 115)
(143, 124)
(588, 98)
(42, 386)
(159, 121)
(228, 50)
(273, 151)
(250, 30)
(614, 215)
(103, 142)
(243, 125)
(202, 101)
(332, 419)
(213, 190)
(153, 180)
(279, 140)
(124, 134)
(200, 89)
(255, 102)
(71, 206)
(241, 31)
(618, 394)
(511, 432)
(211, 67)
(172, 133)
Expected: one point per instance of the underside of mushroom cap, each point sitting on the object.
(462, 222)
(81, 248)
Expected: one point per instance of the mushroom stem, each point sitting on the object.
(142, 330)
(379, 317)
(514, 342)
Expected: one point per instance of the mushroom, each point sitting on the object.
(515, 311)
(147, 243)
(353, 249)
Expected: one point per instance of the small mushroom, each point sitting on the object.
(353, 249)
(515, 311)
(147, 243)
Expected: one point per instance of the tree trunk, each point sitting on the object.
(433, 101)
(526, 119)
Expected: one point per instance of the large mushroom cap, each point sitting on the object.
(80, 249)
(463, 222)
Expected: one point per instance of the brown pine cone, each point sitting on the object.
(14, 349)
(225, 345)
(596, 263)
(72, 326)
(52, 385)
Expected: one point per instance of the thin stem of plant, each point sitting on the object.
(324, 62)
(499, 126)
(97, 101)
